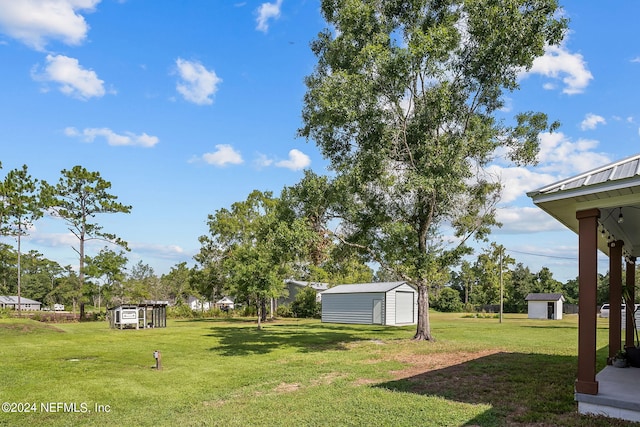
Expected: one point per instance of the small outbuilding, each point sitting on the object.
(545, 306)
(225, 304)
(385, 303)
(150, 314)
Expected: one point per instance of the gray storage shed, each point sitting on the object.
(385, 303)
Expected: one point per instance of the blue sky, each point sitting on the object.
(185, 107)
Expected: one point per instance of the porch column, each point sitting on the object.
(587, 289)
(631, 288)
(615, 296)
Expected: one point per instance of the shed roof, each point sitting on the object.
(360, 288)
(14, 300)
(318, 286)
(544, 297)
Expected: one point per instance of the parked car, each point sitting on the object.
(58, 307)
(604, 310)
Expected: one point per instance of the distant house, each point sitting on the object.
(225, 303)
(11, 302)
(387, 303)
(199, 304)
(295, 286)
(545, 306)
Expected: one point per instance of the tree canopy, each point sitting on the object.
(402, 103)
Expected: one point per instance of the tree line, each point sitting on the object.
(251, 248)
(402, 103)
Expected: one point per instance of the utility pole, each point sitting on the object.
(501, 284)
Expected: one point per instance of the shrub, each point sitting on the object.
(305, 304)
(284, 311)
(181, 311)
(249, 311)
(448, 301)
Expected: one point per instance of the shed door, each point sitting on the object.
(377, 312)
(404, 307)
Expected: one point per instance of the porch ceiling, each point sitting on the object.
(613, 189)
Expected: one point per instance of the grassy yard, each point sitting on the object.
(294, 373)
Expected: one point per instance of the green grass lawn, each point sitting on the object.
(294, 373)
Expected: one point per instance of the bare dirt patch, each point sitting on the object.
(286, 387)
(421, 363)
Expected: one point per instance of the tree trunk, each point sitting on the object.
(19, 279)
(423, 331)
(259, 316)
(263, 309)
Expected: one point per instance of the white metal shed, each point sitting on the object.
(545, 306)
(385, 303)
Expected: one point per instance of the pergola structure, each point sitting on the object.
(603, 207)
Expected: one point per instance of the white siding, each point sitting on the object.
(357, 307)
(537, 309)
(351, 308)
(557, 312)
(404, 307)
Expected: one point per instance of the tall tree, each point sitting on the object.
(8, 263)
(178, 283)
(22, 206)
(463, 281)
(254, 247)
(313, 201)
(521, 283)
(143, 284)
(109, 269)
(487, 271)
(77, 198)
(402, 104)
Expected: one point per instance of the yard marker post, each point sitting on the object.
(157, 356)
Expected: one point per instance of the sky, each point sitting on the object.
(186, 107)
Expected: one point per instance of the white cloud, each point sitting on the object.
(197, 85)
(73, 80)
(225, 154)
(517, 181)
(556, 63)
(159, 251)
(297, 161)
(591, 121)
(559, 158)
(266, 12)
(35, 22)
(112, 138)
(636, 59)
(262, 161)
(560, 155)
(518, 220)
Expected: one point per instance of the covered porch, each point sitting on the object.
(602, 207)
(617, 396)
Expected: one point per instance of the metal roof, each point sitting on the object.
(14, 300)
(614, 189)
(544, 297)
(621, 169)
(364, 288)
(318, 286)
